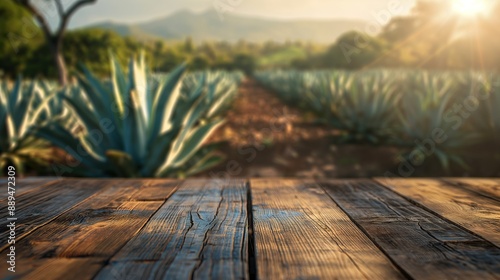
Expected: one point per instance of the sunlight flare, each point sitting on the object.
(470, 7)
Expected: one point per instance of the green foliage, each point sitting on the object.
(200, 62)
(23, 107)
(426, 109)
(344, 100)
(138, 126)
(353, 50)
(398, 107)
(283, 57)
(245, 62)
(430, 38)
(220, 94)
(433, 38)
(90, 47)
(494, 109)
(487, 115)
(18, 33)
(365, 108)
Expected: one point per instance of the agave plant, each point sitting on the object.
(327, 93)
(394, 107)
(366, 109)
(135, 126)
(494, 108)
(23, 107)
(486, 119)
(423, 110)
(360, 104)
(221, 94)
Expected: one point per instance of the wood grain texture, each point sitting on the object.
(301, 234)
(96, 228)
(486, 187)
(423, 244)
(156, 189)
(24, 185)
(200, 231)
(36, 208)
(477, 213)
(54, 269)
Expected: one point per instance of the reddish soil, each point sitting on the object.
(263, 137)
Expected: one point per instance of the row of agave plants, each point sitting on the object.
(134, 124)
(402, 108)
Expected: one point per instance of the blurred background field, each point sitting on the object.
(359, 89)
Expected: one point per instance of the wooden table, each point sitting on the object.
(254, 229)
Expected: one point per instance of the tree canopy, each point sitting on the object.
(429, 37)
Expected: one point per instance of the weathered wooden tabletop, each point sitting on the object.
(254, 229)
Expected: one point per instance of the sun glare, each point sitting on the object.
(470, 7)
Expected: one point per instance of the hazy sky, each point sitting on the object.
(129, 11)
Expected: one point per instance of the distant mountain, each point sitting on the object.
(209, 26)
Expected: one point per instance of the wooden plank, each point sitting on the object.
(201, 230)
(486, 187)
(474, 212)
(157, 190)
(96, 228)
(54, 269)
(104, 238)
(301, 234)
(423, 244)
(24, 185)
(36, 208)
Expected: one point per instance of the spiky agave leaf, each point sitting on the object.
(424, 110)
(20, 114)
(149, 131)
(366, 105)
(486, 118)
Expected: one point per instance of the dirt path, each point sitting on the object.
(263, 137)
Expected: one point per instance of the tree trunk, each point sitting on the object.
(57, 56)
(55, 40)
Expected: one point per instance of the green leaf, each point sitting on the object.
(205, 163)
(119, 83)
(158, 153)
(166, 101)
(443, 159)
(14, 96)
(63, 139)
(20, 114)
(139, 85)
(193, 143)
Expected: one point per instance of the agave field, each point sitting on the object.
(428, 114)
(141, 124)
(135, 124)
